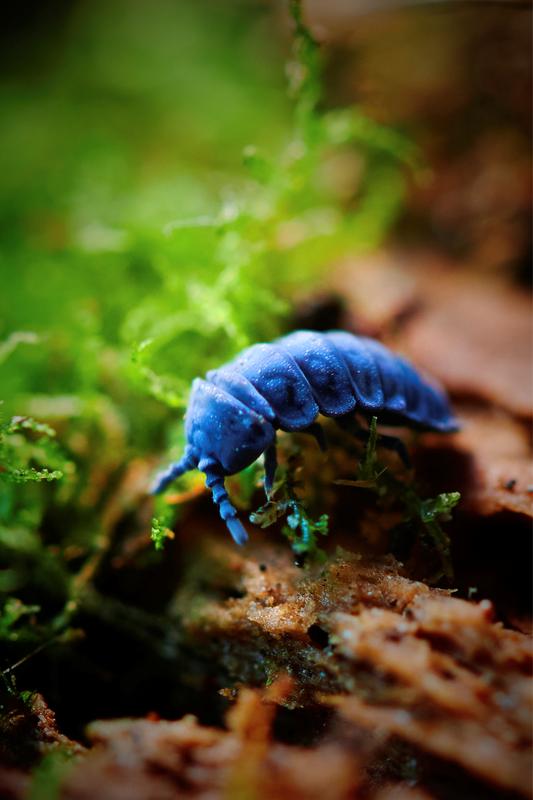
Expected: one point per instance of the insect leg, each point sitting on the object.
(187, 462)
(317, 431)
(397, 446)
(389, 443)
(214, 481)
(271, 463)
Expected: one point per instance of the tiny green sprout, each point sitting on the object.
(300, 529)
(431, 513)
(18, 447)
(163, 521)
(369, 470)
(37, 475)
(160, 533)
(306, 541)
(439, 507)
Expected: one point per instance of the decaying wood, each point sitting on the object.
(397, 663)
(474, 335)
(138, 759)
(391, 654)
(493, 454)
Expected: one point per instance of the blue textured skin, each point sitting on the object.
(234, 413)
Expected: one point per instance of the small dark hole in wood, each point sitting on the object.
(318, 636)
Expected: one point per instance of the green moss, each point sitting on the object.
(420, 517)
(396, 490)
(161, 532)
(158, 246)
(17, 452)
(300, 529)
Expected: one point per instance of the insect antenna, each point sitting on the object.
(188, 461)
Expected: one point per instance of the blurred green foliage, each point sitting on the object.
(144, 239)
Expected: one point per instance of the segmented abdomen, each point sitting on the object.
(305, 373)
